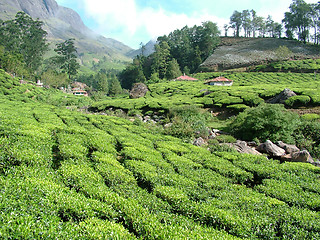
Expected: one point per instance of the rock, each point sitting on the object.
(289, 148)
(317, 164)
(252, 144)
(271, 149)
(302, 156)
(138, 90)
(282, 97)
(242, 147)
(199, 142)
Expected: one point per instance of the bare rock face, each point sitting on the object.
(271, 149)
(199, 142)
(302, 156)
(242, 147)
(289, 148)
(283, 96)
(138, 90)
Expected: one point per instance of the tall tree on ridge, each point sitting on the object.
(236, 22)
(67, 58)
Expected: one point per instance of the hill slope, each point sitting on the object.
(68, 175)
(63, 23)
(244, 52)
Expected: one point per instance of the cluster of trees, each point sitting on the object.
(104, 82)
(301, 18)
(182, 50)
(253, 25)
(301, 22)
(23, 45)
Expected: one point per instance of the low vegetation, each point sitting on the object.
(66, 174)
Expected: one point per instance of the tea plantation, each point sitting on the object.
(69, 175)
(248, 90)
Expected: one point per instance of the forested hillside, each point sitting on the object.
(66, 174)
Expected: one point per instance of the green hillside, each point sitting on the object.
(246, 52)
(248, 90)
(70, 175)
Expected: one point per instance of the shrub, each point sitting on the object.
(267, 121)
(310, 116)
(297, 101)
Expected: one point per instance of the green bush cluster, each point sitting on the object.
(69, 175)
(266, 122)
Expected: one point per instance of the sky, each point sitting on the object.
(133, 22)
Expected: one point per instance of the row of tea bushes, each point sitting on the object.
(65, 174)
(248, 90)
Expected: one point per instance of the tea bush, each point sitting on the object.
(265, 122)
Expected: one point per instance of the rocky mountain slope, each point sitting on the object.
(244, 52)
(147, 50)
(63, 23)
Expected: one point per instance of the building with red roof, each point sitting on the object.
(220, 81)
(185, 78)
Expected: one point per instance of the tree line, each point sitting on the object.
(302, 22)
(182, 50)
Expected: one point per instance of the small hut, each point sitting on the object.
(184, 77)
(220, 81)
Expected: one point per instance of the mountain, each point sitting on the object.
(243, 52)
(63, 23)
(148, 49)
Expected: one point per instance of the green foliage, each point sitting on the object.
(66, 58)
(54, 79)
(66, 174)
(24, 37)
(188, 121)
(264, 122)
(298, 101)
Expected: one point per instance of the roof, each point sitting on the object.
(185, 77)
(220, 79)
(73, 90)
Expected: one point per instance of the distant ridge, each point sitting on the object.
(243, 52)
(147, 50)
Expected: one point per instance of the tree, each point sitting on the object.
(130, 75)
(246, 22)
(25, 36)
(67, 58)
(102, 82)
(236, 22)
(115, 87)
(314, 16)
(161, 58)
(54, 79)
(173, 70)
(270, 26)
(297, 20)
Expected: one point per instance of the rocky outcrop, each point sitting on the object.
(138, 90)
(271, 149)
(282, 97)
(199, 142)
(287, 147)
(242, 147)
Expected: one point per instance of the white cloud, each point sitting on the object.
(123, 20)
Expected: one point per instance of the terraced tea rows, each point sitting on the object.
(65, 174)
(249, 89)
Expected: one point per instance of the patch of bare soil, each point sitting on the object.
(306, 110)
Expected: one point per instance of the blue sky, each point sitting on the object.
(136, 21)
